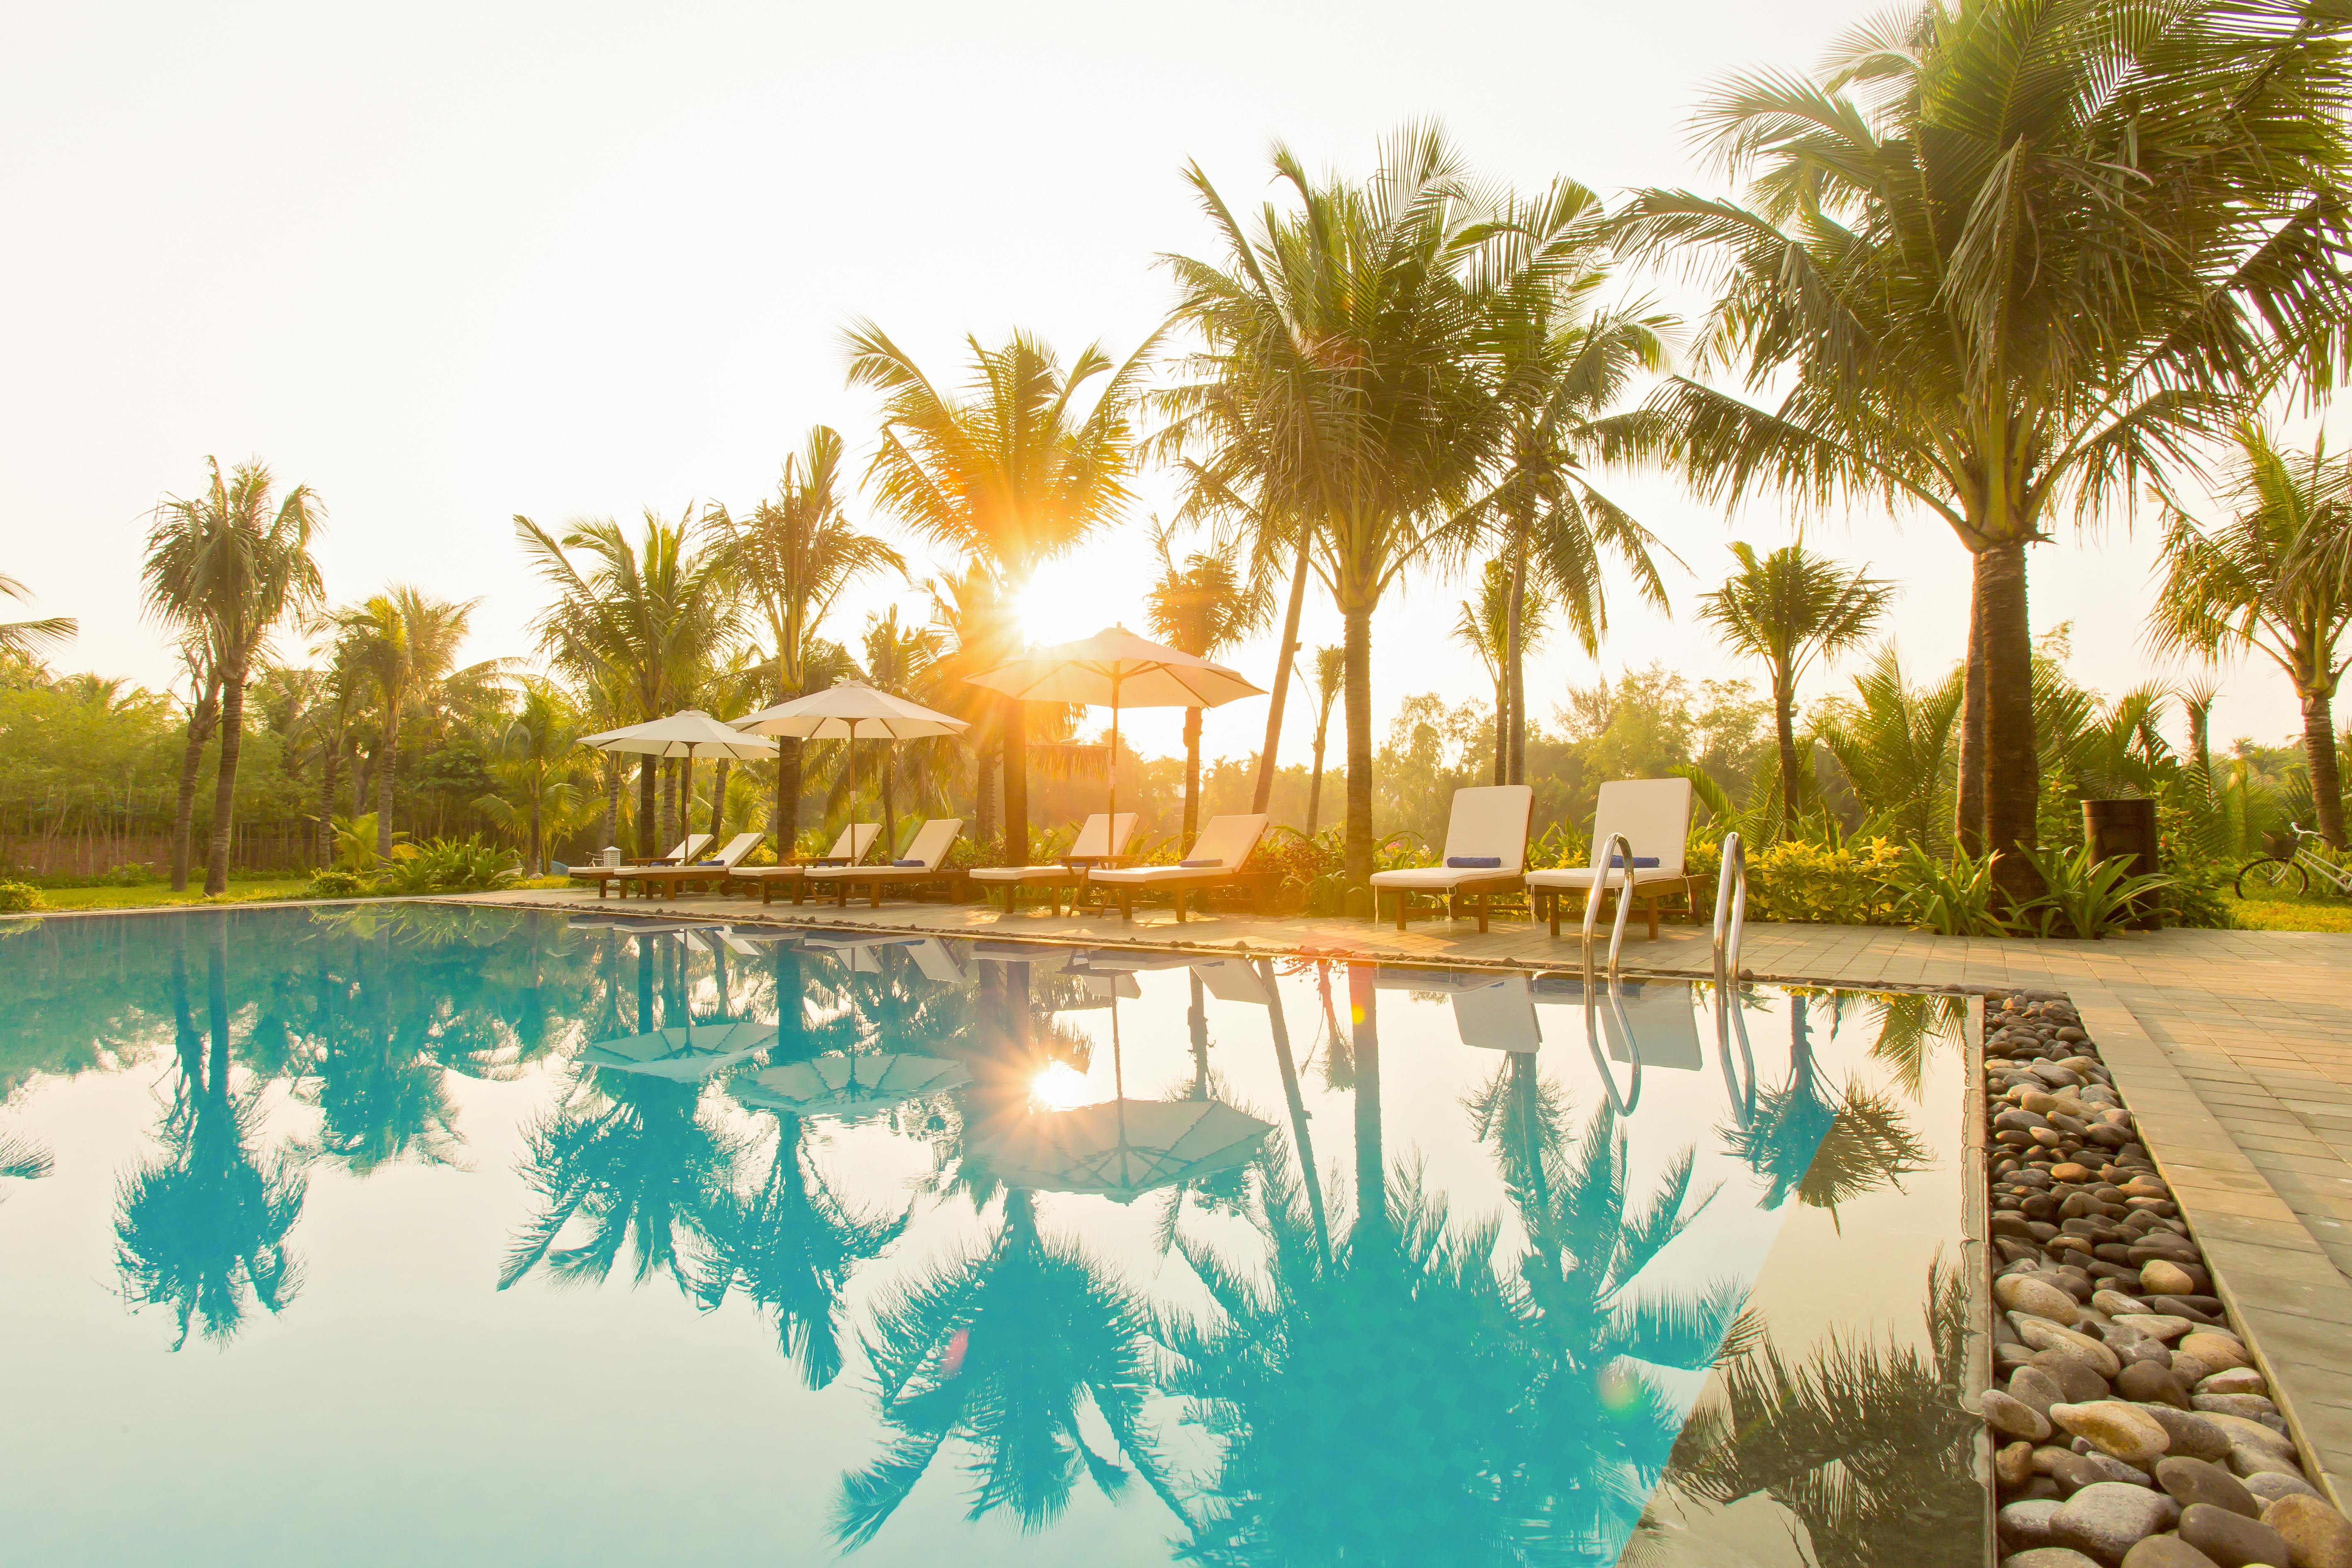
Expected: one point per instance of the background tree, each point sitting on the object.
(22, 637)
(533, 762)
(203, 721)
(1009, 474)
(1485, 626)
(227, 561)
(1985, 279)
(1330, 674)
(404, 643)
(2273, 578)
(1789, 608)
(793, 554)
(1202, 607)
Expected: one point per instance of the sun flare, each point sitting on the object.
(1060, 1086)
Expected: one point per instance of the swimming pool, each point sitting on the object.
(395, 1233)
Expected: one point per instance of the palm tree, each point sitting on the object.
(793, 555)
(1339, 396)
(643, 620)
(1203, 607)
(404, 643)
(204, 720)
(976, 630)
(1486, 627)
(228, 563)
(2001, 257)
(899, 660)
(1894, 743)
(794, 1245)
(532, 761)
(2271, 579)
(1007, 1349)
(1789, 608)
(1564, 364)
(1009, 474)
(21, 638)
(1331, 675)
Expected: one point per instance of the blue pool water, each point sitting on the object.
(397, 1233)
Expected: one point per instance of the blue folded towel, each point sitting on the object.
(1640, 862)
(903, 863)
(699, 865)
(1199, 865)
(1474, 862)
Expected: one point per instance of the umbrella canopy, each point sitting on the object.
(1118, 667)
(684, 1054)
(689, 733)
(848, 1086)
(1123, 1148)
(850, 710)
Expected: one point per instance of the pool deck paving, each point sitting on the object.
(2235, 1049)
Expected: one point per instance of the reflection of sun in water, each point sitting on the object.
(1060, 1087)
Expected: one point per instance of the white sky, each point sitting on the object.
(450, 263)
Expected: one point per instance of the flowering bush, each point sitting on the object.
(18, 896)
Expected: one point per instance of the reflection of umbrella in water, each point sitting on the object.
(1122, 1148)
(848, 1086)
(684, 1054)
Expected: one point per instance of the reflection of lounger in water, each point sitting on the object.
(1499, 1015)
(1659, 1011)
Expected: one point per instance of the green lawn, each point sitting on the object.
(156, 895)
(2284, 912)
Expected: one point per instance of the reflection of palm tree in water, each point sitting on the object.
(792, 1246)
(25, 1158)
(1866, 1445)
(202, 1227)
(1004, 1350)
(1827, 1146)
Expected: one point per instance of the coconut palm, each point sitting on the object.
(1331, 676)
(2005, 257)
(1008, 1350)
(1894, 743)
(2270, 579)
(1010, 474)
(901, 661)
(1788, 609)
(402, 643)
(793, 554)
(21, 638)
(1202, 607)
(204, 720)
(1485, 626)
(229, 566)
(532, 760)
(976, 630)
(1339, 395)
(642, 620)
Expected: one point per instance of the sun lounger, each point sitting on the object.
(1486, 853)
(692, 845)
(671, 880)
(1216, 861)
(1100, 842)
(847, 850)
(920, 863)
(1655, 816)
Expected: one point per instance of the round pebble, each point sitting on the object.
(2269, 1485)
(2112, 1427)
(2106, 1519)
(2231, 1540)
(2037, 1298)
(2045, 1335)
(2253, 1406)
(2189, 1481)
(2049, 1557)
(2158, 1278)
(2152, 1382)
(2235, 1379)
(2219, 1351)
(2031, 1386)
(2026, 1525)
(2191, 1432)
(2166, 1552)
(2316, 1534)
(2115, 1304)
(2079, 1382)
(2014, 1416)
(2012, 1465)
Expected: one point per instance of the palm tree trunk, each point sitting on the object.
(1358, 689)
(1784, 726)
(649, 825)
(718, 797)
(611, 802)
(1303, 1144)
(669, 833)
(1267, 755)
(1515, 724)
(1192, 773)
(686, 795)
(2013, 771)
(330, 758)
(1502, 732)
(538, 786)
(232, 734)
(2201, 737)
(1016, 782)
(386, 770)
(201, 721)
(1371, 1164)
(889, 803)
(2319, 756)
(1967, 805)
(1315, 778)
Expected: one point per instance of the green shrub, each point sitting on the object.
(17, 897)
(2084, 898)
(2194, 896)
(450, 865)
(1842, 884)
(336, 884)
(1951, 899)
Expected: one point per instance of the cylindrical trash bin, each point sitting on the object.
(2125, 830)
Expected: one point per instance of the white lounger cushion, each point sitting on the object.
(1101, 837)
(855, 841)
(742, 844)
(1655, 816)
(1227, 840)
(931, 847)
(1489, 822)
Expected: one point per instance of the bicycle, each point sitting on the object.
(2288, 867)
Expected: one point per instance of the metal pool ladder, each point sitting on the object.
(1730, 914)
(1616, 849)
(1730, 918)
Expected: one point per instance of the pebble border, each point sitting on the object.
(2132, 1427)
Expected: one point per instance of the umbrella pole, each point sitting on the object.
(1118, 1083)
(1114, 763)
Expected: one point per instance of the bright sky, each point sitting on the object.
(450, 263)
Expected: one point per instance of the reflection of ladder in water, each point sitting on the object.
(1730, 919)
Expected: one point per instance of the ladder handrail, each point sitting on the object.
(1730, 910)
(1600, 869)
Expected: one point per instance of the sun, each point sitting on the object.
(1060, 1086)
(1062, 602)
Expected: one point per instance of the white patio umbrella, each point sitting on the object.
(1117, 668)
(847, 710)
(688, 733)
(849, 1086)
(681, 1053)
